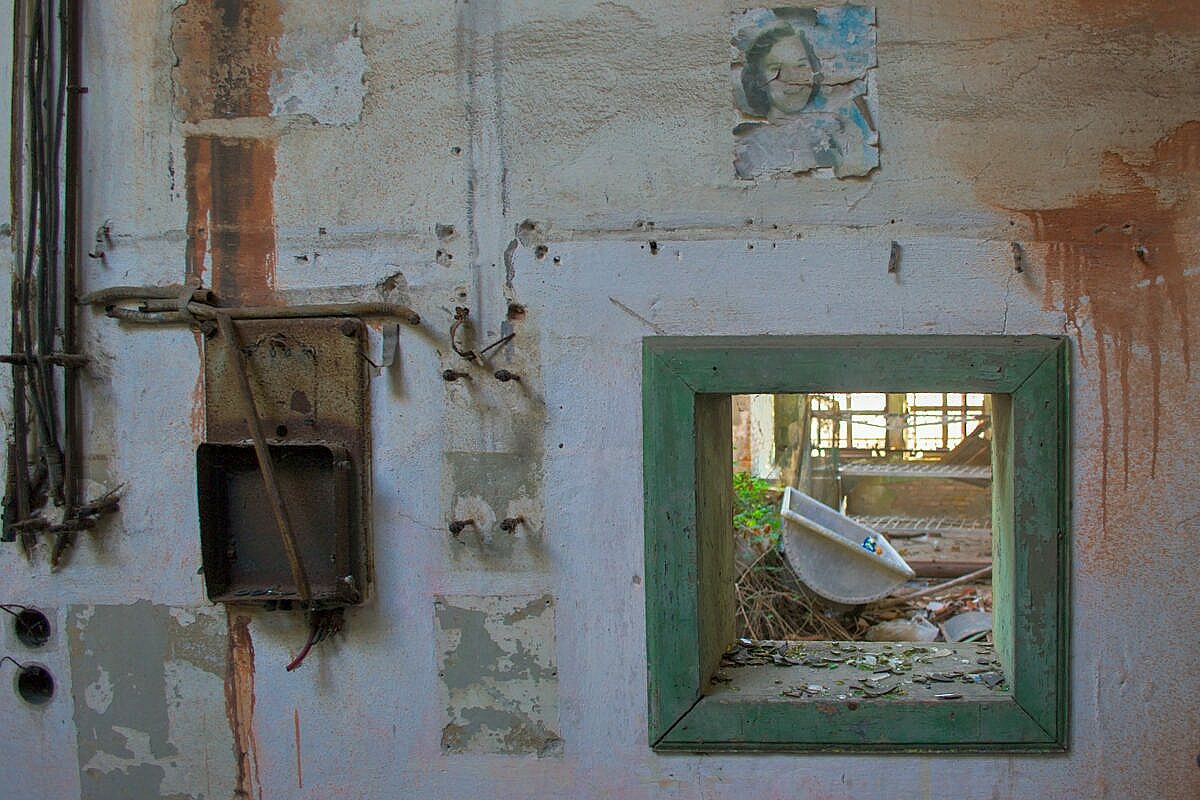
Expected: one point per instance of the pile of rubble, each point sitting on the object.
(773, 604)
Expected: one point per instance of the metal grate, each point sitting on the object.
(867, 470)
(901, 527)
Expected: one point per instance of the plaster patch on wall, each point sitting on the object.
(321, 78)
(498, 675)
(143, 681)
(804, 88)
(486, 488)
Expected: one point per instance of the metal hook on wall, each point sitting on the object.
(461, 315)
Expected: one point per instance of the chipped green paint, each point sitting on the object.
(498, 674)
(680, 378)
(142, 676)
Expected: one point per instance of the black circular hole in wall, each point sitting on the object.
(35, 685)
(281, 431)
(32, 628)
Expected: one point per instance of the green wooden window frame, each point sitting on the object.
(686, 387)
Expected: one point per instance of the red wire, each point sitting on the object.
(298, 660)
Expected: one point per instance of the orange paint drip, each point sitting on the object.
(197, 418)
(227, 51)
(299, 763)
(1119, 257)
(239, 705)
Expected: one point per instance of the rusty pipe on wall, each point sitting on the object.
(163, 313)
(116, 294)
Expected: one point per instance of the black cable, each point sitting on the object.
(38, 304)
(42, 249)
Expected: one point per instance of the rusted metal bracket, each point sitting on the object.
(461, 315)
(292, 378)
(265, 464)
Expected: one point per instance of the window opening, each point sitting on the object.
(907, 471)
(711, 689)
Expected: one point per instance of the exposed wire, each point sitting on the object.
(322, 623)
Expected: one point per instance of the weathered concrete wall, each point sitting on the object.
(513, 151)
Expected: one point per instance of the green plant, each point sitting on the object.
(756, 509)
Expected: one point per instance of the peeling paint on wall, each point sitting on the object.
(489, 113)
(804, 86)
(143, 676)
(488, 488)
(226, 51)
(322, 78)
(498, 674)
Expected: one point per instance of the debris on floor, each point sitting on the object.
(916, 629)
(774, 604)
(967, 624)
(841, 670)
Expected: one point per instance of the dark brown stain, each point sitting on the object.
(231, 217)
(239, 704)
(1118, 256)
(226, 51)
(1176, 17)
(300, 403)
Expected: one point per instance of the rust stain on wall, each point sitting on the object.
(239, 705)
(231, 217)
(299, 761)
(1135, 14)
(197, 414)
(1119, 256)
(226, 52)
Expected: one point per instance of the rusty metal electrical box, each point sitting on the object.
(307, 380)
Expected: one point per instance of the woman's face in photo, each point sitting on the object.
(789, 75)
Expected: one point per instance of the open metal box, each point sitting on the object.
(309, 385)
(243, 559)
